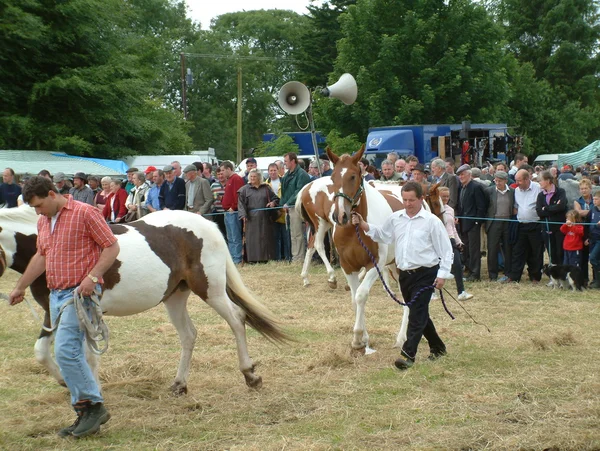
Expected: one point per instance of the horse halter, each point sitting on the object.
(353, 200)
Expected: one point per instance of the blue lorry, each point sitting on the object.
(426, 142)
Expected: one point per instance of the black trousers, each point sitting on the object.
(472, 242)
(456, 269)
(419, 322)
(529, 249)
(497, 233)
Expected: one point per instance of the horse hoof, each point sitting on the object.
(253, 381)
(306, 283)
(179, 389)
(358, 352)
(332, 284)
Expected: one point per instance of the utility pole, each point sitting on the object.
(183, 93)
(239, 156)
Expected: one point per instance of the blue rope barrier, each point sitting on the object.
(523, 222)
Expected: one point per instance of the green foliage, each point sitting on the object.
(341, 145)
(279, 146)
(88, 76)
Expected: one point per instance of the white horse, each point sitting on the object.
(163, 258)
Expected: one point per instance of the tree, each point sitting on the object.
(280, 146)
(88, 76)
(261, 44)
(418, 63)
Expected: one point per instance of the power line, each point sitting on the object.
(236, 57)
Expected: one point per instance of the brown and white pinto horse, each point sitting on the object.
(163, 258)
(315, 204)
(375, 206)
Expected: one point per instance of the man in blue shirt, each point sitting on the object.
(152, 201)
(172, 192)
(9, 190)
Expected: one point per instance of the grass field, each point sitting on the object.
(533, 383)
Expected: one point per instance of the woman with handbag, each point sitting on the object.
(136, 201)
(114, 209)
(252, 198)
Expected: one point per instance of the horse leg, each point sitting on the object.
(176, 306)
(401, 338)
(236, 318)
(43, 355)
(320, 247)
(305, 267)
(361, 337)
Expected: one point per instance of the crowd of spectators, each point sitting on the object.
(513, 215)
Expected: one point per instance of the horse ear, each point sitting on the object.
(332, 157)
(358, 155)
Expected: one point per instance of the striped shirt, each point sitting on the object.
(72, 248)
(217, 191)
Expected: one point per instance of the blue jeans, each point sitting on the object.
(572, 258)
(69, 349)
(234, 236)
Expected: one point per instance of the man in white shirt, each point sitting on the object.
(529, 247)
(424, 256)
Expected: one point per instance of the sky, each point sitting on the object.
(204, 10)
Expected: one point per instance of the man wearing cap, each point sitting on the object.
(501, 199)
(472, 203)
(250, 164)
(419, 176)
(172, 192)
(149, 174)
(176, 168)
(62, 184)
(129, 185)
(9, 190)
(198, 196)
(80, 191)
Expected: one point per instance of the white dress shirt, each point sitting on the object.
(420, 241)
(525, 203)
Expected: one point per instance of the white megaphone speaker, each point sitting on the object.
(294, 97)
(344, 89)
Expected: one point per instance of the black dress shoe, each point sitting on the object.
(403, 363)
(437, 354)
(472, 278)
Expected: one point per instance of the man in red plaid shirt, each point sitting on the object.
(75, 247)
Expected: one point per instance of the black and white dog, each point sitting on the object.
(559, 274)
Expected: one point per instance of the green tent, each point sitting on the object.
(588, 153)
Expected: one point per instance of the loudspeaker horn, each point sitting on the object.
(294, 97)
(345, 89)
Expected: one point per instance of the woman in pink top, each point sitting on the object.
(450, 224)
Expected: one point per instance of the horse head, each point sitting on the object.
(347, 185)
(433, 199)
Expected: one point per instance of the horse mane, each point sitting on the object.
(20, 215)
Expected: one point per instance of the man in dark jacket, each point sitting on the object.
(472, 203)
(291, 184)
(172, 191)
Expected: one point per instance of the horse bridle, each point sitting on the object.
(353, 200)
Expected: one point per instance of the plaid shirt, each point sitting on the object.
(73, 249)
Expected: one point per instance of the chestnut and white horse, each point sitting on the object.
(163, 258)
(350, 193)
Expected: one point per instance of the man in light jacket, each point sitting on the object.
(198, 196)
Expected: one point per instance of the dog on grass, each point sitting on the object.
(559, 274)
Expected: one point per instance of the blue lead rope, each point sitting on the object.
(398, 301)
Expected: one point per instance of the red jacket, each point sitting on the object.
(119, 207)
(230, 198)
(573, 237)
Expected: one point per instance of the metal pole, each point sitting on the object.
(183, 93)
(313, 135)
(239, 116)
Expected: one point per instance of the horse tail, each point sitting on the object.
(257, 315)
(305, 217)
